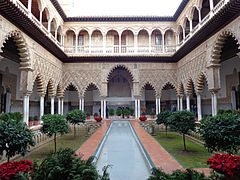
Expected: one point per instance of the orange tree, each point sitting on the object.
(54, 124)
(182, 122)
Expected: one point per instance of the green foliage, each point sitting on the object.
(111, 112)
(162, 118)
(221, 133)
(64, 166)
(76, 116)
(182, 122)
(222, 111)
(126, 112)
(15, 137)
(17, 116)
(118, 112)
(54, 124)
(131, 111)
(144, 113)
(189, 174)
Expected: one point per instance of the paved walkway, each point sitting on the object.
(90, 146)
(160, 157)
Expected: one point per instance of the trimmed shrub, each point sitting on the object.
(162, 118)
(221, 133)
(182, 122)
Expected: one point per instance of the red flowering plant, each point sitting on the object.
(142, 118)
(10, 170)
(98, 118)
(226, 164)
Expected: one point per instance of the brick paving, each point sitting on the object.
(160, 157)
(90, 146)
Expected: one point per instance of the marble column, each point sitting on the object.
(76, 43)
(139, 107)
(181, 103)
(199, 107)
(163, 43)
(26, 109)
(59, 105)
(41, 106)
(157, 106)
(52, 105)
(30, 5)
(80, 104)
(136, 108)
(178, 103)
(188, 102)
(62, 106)
(102, 108)
(135, 43)
(150, 44)
(214, 102)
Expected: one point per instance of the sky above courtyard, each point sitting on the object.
(124, 7)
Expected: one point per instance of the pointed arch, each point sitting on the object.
(180, 89)
(22, 47)
(200, 82)
(120, 66)
(59, 92)
(148, 84)
(40, 84)
(219, 43)
(70, 83)
(190, 86)
(50, 88)
(168, 85)
(91, 85)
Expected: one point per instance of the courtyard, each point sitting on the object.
(154, 95)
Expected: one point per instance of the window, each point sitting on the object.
(158, 39)
(81, 40)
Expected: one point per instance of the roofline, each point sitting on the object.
(59, 8)
(118, 18)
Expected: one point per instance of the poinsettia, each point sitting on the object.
(10, 170)
(225, 164)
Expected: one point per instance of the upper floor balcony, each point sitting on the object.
(124, 42)
(148, 40)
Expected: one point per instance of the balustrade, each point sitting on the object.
(123, 49)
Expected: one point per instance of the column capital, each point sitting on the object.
(103, 97)
(214, 91)
(27, 93)
(199, 93)
(214, 64)
(137, 97)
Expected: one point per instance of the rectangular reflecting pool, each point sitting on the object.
(122, 152)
